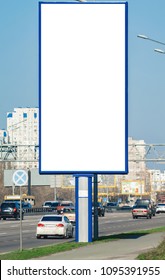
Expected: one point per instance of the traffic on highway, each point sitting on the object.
(112, 223)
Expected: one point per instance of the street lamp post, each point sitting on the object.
(150, 39)
(141, 36)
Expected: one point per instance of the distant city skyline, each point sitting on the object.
(146, 83)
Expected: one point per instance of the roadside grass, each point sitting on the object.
(26, 254)
(128, 235)
(154, 254)
(33, 253)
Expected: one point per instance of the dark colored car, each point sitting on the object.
(10, 210)
(100, 209)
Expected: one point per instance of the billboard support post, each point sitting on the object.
(83, 193)
(95, 200)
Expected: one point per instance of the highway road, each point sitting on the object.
(116, 222)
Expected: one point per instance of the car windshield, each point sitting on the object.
(68, 211)
(98, 204)
(4, 205)
(66, 204)
(51, 219)
(140, 206)
(161, 204)
(54, 204)
(47, 204)
(26, 205)
(143, 201)
(112, 204)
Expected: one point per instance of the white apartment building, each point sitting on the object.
(136, 156)
(136, 167)
(157, 179)
(22, 127)
(136, 163)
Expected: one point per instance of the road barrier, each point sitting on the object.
(39, 210)
(117, 209)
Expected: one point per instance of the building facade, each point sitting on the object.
(135, 182)
(136, 156)
(22, 128)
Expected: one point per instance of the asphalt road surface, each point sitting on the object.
(112, 223)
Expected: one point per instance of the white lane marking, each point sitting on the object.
(3, 233)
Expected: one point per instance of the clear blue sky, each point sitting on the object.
(19, 63)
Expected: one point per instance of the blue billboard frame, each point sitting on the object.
(126, 91)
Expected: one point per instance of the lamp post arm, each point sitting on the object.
(150, 39)
(157, 41)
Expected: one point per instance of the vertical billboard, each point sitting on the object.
(83, 87)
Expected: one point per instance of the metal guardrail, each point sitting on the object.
(110, 209)
(39, 210)
(116, 209)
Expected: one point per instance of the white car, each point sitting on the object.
(160, 208)
(54, 225)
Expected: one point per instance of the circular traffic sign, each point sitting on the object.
(20, 177)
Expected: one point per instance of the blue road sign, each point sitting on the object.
(20, 178)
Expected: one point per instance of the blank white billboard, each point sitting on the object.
(83, 88)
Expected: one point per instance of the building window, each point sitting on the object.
(24, 115)
(35, 115)
(9, 115)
